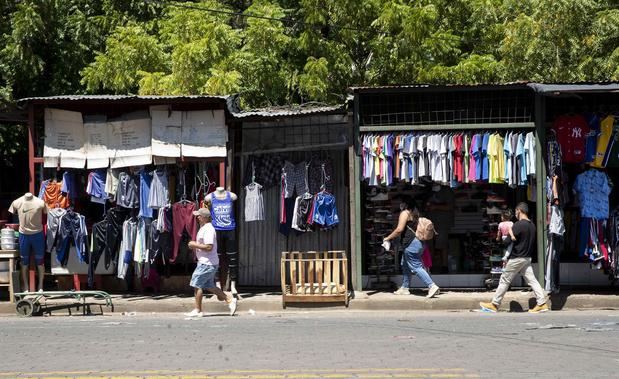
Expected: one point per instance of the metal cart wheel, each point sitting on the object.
(24, 307)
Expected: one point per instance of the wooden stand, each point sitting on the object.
(314, 277)
(10, 255)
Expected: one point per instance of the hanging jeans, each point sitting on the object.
(113, 234)
(553, 262)
(182, 219)
(412, 264)
(97, 247)
(72, 227)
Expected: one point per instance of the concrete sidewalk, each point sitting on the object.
(367, 300)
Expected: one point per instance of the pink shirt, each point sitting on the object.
(504, 228)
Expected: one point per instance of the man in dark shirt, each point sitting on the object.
(520, 263)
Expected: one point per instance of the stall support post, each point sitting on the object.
(355, 206)
(31, 137)
(540, 178)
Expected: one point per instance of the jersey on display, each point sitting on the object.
(572, 131)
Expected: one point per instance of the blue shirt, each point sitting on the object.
(593, 189)
(222, 212)
(477, 143)
(484, 155)
(145, 181)
(521, 163)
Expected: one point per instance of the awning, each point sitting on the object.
(558, 89)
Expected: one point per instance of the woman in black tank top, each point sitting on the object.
(413, 249)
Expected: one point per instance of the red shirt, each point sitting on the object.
(458, 159)
(572, 133)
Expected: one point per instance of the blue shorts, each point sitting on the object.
(203, 276)
(32, 243)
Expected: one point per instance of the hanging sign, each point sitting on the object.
(166, 130)
(204, 134)
(130, 140)
(96, 142)
(64, 139)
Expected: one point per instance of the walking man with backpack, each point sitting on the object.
(520, 263)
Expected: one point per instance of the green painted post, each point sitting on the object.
(540, 178)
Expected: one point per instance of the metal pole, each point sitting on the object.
(540, 178)
(355, 209)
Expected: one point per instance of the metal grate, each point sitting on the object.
(444, 108)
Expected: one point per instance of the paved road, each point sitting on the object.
(317, 344)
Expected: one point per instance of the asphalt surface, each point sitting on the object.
(330, 344)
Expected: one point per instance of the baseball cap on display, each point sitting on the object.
(202, 212)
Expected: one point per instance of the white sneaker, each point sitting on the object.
(232, 306)
(434, 290)
(402, 291)
(194, 313)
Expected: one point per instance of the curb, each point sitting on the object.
(514, 301)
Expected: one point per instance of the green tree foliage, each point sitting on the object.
(298, 50)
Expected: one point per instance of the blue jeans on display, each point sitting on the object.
(411, 264)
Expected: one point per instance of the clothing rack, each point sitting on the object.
(447, 127)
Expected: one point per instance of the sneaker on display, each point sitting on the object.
(380, 197)
(232, 306)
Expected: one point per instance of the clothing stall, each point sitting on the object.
(293, 186)
(582, 164)
(465, 155)
(121, 177)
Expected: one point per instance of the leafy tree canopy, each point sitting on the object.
(298, 50)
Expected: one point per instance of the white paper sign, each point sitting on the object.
(64, 139)
(204, 134)
(166, 130)
(130, 140)
(96, 142)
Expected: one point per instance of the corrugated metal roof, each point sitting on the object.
(291, 110)
(574, 87)
(521, 84)
(113, 98)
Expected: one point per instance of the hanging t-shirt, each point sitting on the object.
(572, 131)
(613, 152)
(593, 189)
(529, 153)
(458, 159)
(444, 154)
(484, 155)
(127, 195)
(477, 157)
(507, 149)
(521, 164)
(604, 141)
(593, 120)
(424, 162)
(467, 156)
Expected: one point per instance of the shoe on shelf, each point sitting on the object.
(194, 313)
(489, 307)
(380, 197)
(232, 306)
(402, 291)
(433, 291)
(540, 308)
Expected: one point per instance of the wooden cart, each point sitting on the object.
(314, 277)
